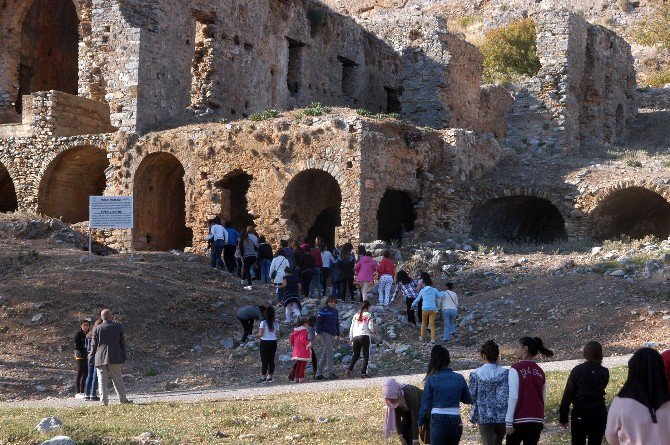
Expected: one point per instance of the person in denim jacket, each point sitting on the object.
(442, 393)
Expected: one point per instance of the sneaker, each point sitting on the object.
(80, 396)
(95, 399)
(347, 374)
(87, 398)
(319, 377)
(261, 380)
(269, 380)
(127, 402)
(432, 342)
(366, 376)
(333, 377)
(421, 338)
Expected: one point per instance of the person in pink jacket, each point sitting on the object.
(365, 272)
(301, 348)
(640, 413)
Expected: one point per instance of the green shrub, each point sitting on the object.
(654, 29)
(658, 79)
(634, 163)
(467, 21)
(264, 115)
(364, 113)
(510, 52)
(316, 109)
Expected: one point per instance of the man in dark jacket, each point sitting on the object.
(109, 350)
(327, 330)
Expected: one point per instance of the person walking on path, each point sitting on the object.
(265, 259)
(585, 391)
(248, 251)
(347, 263)
(489, 388)
(307, 265)
(365, 270)
(218, 237)
(449, 307)
(402, 411)
(430, 298)
(362, 325)
(277, 271)
(109, 350)
(268, 333)
(386, 273)
(290, 290)
(327, 330)
(408, 288)
(316, 289)
(80, 356)
(440, 403)
(327, 260)
(640, 413)
(301, 349)
(232, 238)
(527, 393)
(246, 316)
(91, 389)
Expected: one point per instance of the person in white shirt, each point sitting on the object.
(268, 333)
(362, 325)
(218, 237)
(327, 259)
(449, 310)
(277, 272)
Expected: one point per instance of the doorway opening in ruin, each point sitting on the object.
(294, 72)
(8, 201)
(234, 205)
(634, 212)
(160, 204)
(396, 209)
(49, 49)
(312, 201)
(519, 219)
(393, 100)
(349, 78)
(69, 180)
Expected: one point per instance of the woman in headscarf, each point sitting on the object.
(640, 414)
(402, 411)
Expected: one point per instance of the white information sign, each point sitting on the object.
(110, 212)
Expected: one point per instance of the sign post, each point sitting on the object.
(111, 212)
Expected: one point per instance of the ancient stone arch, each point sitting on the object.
(8, 200)
(524, 217)
(312, 205)
(160, 204)
(633, 210)
(231, 195)
(395, 209)
(69, 179)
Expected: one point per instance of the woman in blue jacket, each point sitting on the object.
(442, 393)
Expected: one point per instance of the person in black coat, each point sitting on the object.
(80, 355)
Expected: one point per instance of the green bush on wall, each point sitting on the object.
(510, 52)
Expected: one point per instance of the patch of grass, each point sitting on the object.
(633, 163)
(366, 113)
(262, 420)
(510, 52)
(150, 373)
(604, 266)
(316, 109)
(654, 29)
(265, 115)
(658, 79)
(666, 163)
(467, 21)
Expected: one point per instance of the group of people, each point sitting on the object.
(509, 403)
(100, 352)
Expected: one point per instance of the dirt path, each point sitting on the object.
(272, 389)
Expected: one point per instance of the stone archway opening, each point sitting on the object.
(396, 209)
(69, 180)
(8, 201)
(635, 212)
(519, 219)
(312, 202)
(233, 189)
(49, 49)
(160, 204)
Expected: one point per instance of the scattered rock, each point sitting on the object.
(59, 440)
(147, 438)
(284, 358)
(41, 388)
(322, 419)
(37, 318)
(227, 343)
(617, 273)
(401, 349)
(48, 425)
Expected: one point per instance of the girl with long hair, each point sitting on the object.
(268, 333)
(362, 325)
(443, 392)
(408, 288)
(527, 393)
(365, 270)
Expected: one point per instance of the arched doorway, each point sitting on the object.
(395, 209)
(233, 189)
(49, 48)
(312, 201)
(519, 218)
(160, 204)
(634, 212)
(69, 180)
(8, 201)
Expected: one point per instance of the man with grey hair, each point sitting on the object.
(109, 350)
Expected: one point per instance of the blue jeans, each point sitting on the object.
(265, 271)
(91, 382)
(217, 250)
(316, 281)
(445, 429)
(449, 317)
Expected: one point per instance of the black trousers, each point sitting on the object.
(268, 349)
(361, 342)
(588, 424)
(248, 265)
(324, 279)
(247, 328)
(526, 433)
(315, 362)
(410, 312)
(306, 278)
(406, 427)
(347, 283)
(229, 257)
(82, 373)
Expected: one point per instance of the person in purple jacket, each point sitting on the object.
(365, 270)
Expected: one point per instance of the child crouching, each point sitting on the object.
(301, 348)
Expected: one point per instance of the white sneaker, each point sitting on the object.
(80, 396)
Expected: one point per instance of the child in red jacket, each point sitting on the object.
(301, 348)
